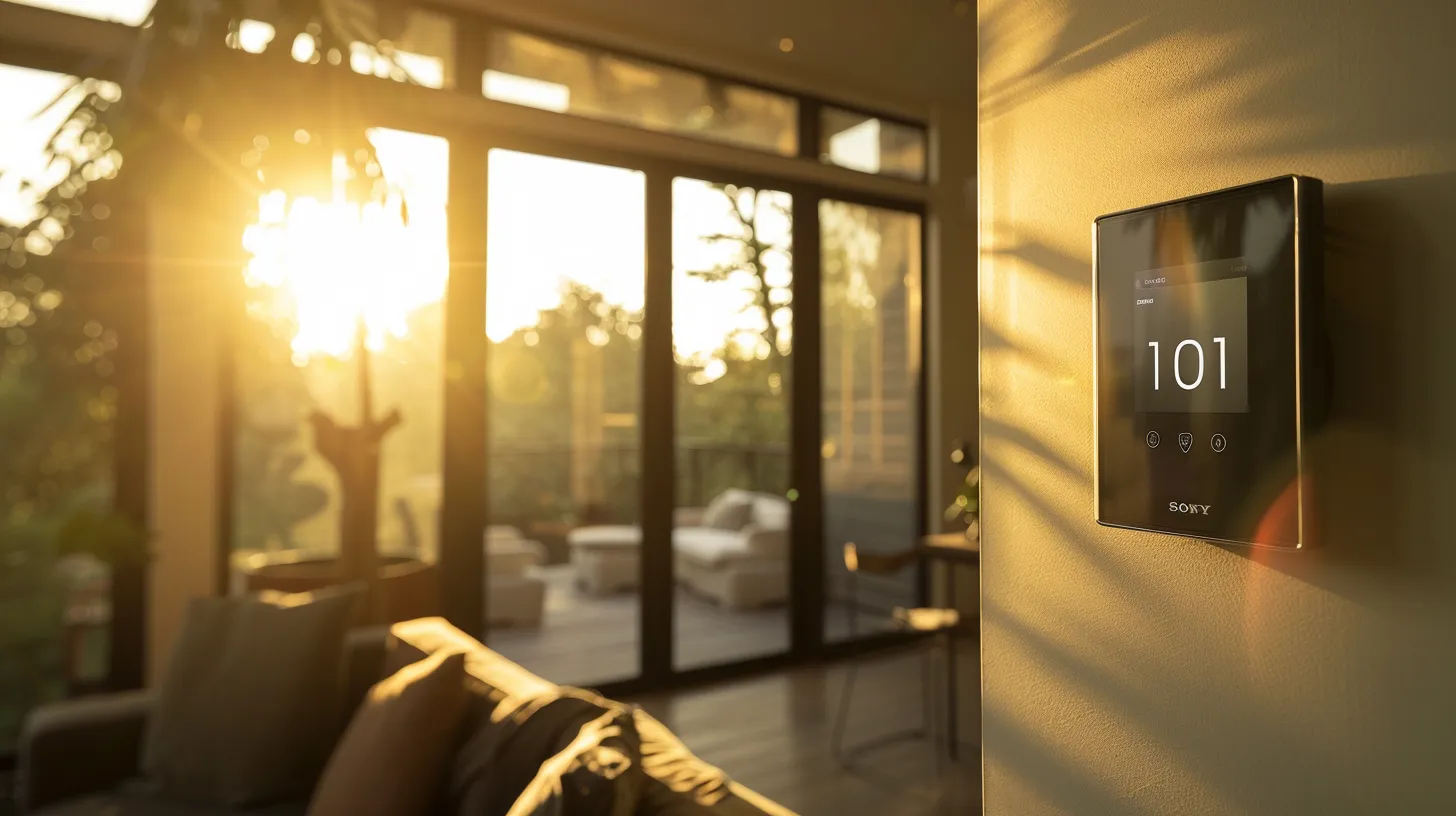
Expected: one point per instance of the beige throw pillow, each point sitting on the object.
(393, 759)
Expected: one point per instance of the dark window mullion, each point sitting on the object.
(131, 449)
(465, 497)
(806, 563)
(658, 438)
(810, 129)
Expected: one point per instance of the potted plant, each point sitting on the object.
(966, 508)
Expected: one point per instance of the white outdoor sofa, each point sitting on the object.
(734, 551)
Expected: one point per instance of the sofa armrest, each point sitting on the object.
(688, 516)
(766, 542)
(77, 747)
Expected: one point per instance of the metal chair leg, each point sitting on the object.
(936, 729)
(841, 721)
(927, 691)
(951, 713)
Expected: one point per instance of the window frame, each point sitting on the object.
(465, 119)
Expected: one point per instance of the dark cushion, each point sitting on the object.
(584, 747)
(394, 756)
(251, 703)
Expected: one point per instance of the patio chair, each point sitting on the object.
(935, 626)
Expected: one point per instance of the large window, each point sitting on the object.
(341, 343)
(63, 319)
(418, 47)
(615, 290)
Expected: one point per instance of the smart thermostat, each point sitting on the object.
(1210, 361)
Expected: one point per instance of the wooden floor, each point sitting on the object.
(772, 734)
(589, 641)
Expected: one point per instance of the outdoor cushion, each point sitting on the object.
(605, 536)
(253, 699)
(711, 548)
(770, 543)
(729, 511)
(771, 512)
(511, 556)
(502, 532)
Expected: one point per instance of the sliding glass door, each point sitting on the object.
(870, 275)
(732, 331)
(669, 483)
(564, 309)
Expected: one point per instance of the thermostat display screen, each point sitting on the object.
(1197, 356)
(1191, 341)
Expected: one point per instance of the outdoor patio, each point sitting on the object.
(589, 640)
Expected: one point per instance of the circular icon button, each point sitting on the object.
(1153, 439)
(1218, 443)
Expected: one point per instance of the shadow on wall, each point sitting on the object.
(1388, 283)
(1379, 465)
(1265, 54)
(1221, 680)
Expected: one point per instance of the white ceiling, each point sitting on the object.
(906, 55)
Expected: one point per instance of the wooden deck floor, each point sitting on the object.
(588, 641)
(772, 734)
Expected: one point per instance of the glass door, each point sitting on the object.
(660, 491)
(565, 282)
(732, 332)
(870, 333)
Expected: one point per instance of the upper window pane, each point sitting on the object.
(130, 12)
(420, 49)
(872, 145)
(529, 70)
(423, 52)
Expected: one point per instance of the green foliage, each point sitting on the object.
(32, 597)
(967, 504)
(532, 376)
(108, 537)
(270, 499)
(748, 260)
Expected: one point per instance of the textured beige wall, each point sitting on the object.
(1131, 673)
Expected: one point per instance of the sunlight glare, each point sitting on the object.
(254, 36)
(554, 222)
(23, 136)
(338, 262)
(127, 12)
(519, 90)
(858, 147)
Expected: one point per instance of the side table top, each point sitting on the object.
(951, 547)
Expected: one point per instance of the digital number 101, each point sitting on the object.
(1177, 359)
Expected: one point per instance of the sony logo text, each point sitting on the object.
(1189, 509)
